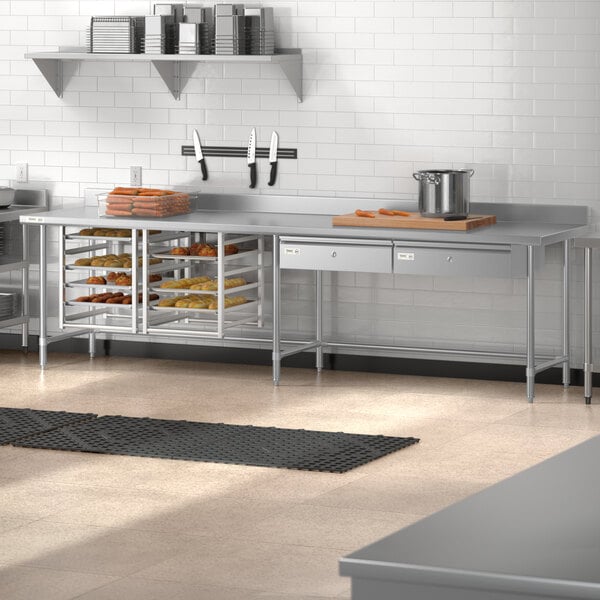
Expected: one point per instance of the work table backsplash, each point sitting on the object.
(508, 88)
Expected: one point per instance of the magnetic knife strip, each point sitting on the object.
(233, 151)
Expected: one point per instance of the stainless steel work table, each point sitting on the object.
(533, 536)
(588, 243)
(532, 227)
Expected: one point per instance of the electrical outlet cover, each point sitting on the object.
(22, 173)
(135, 176)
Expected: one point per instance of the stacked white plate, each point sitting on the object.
(10, 305)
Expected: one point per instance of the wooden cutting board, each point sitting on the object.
(415, 221)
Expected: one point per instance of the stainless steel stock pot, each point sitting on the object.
(444, 193)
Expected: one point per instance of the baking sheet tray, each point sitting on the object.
(240, 288)
(205, 311)
(166, 255)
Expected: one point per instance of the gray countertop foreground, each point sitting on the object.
(316, 225)
(535, 533)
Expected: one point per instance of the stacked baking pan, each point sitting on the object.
(197, 31)
(170, 10)
(11, 238)
(10, 305)
(230, 29)
(260, 31)
(115, 35)
(158, 38)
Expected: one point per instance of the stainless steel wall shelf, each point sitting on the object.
(168, 66)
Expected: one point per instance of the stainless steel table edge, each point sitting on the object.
(372, 573)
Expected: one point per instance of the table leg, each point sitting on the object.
(43, 338)
(319, 316)
(25, 288)
(587, 326)
(566, 375)
(276, 312)
(92, 344)
(530, 371)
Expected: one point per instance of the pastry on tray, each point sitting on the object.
(228, 302)
(96, 280)
(213, 284)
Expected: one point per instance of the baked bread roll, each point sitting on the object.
(229, 302)
(96, 280)
(213, 285)
(83, 262)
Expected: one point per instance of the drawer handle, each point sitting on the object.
(333, 254)
(449, 258)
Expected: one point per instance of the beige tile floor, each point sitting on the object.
(97, 527)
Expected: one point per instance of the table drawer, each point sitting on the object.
(332, 255)
(447, 260)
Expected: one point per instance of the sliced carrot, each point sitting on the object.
(364, 213)
(391, 213)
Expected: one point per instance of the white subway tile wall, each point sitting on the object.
(508, 88)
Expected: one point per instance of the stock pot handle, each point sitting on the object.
(428, 177)
(471, 172)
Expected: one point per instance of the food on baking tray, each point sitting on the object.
(83, 262)
(120, 261)
(184, 284)
(113, 298)
(229, 302)
(120, 233)
(213, 284)
(96, 280)
(146, 202)
(200, 302)
(126, 279)
(203, 250)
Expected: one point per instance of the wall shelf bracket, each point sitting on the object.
(52, 70)
(170, 73)
(293, 72)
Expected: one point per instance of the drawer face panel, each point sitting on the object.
(332, 257)
(449, 261)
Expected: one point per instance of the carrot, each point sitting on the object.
(364, 213)
(391, 213)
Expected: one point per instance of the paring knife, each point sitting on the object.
(199, 155)
(273, 157)
(252, 157)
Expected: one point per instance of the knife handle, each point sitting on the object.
(204, 171)
(273, 173)
(253, 175)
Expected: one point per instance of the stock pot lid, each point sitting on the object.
(443, 171)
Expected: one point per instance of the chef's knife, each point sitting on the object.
(199, 155)
(273, 157)
(252, 157)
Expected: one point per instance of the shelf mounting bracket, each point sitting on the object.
(52, 70)
(293, 72)
(170, 73)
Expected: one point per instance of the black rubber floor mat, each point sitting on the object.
(18, 423)
(332, 452)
